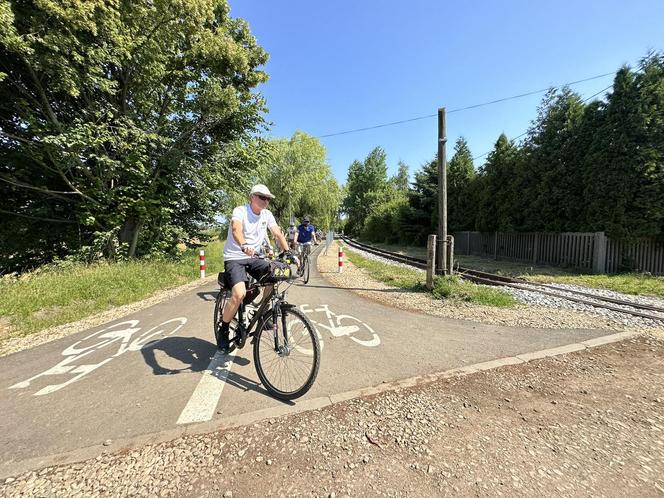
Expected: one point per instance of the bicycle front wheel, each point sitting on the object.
(287, 358)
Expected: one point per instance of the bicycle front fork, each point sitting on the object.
(284, 348)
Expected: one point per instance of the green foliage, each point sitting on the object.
(373, 203)
(384, 222)
(298, 174)
(496, 191)
(460, 174)
(135, 119)
(584, 167)
(366, 186)
(629, 156)
(454, 288)
(420, 217)
(400, 180)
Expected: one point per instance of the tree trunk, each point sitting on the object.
(129, 234)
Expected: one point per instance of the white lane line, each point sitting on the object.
(203, 401)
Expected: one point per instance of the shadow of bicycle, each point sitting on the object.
(193, 355)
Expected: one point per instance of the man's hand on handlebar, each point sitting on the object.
(248, 250)
(290, 257)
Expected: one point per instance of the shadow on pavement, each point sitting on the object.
(196, 354)
(246, 384)
(208, 296)
(193, 352)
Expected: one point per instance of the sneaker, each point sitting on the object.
(223, 344)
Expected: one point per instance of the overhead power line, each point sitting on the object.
(596, 94)
(525, 132)
(474, 106)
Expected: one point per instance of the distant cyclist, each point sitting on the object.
(306, 232)
(290, 235)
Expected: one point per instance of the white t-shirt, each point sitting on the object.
(254, 228)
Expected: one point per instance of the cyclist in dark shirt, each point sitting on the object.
(305, 232)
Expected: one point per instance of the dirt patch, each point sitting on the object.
(5, 327)
(46, 312)
(585, 424)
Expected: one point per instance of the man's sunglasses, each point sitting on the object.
(263, 197)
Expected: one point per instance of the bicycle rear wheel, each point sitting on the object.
(287, 368)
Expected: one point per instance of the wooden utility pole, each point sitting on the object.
(431, 260)
(441, 253)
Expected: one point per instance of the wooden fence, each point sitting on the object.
(645, 255)
(586, 251)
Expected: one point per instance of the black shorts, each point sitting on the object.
(236, 270)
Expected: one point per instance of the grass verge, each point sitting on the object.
(66, 293)
(627, 283)
(452, 288)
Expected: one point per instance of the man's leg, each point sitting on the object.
(238, 292)
(259, 269)
(235, 277)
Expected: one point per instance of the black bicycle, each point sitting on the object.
(305, 267)
(286, 347)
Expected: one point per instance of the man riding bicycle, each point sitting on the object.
(246, 233)
(291, 235)
(306, 232)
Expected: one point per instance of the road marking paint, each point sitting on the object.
(203, 401)
(335, 327)
(113, 333)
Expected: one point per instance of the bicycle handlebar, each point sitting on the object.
(283, 257)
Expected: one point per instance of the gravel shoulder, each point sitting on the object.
(525, 315)
(589, 423)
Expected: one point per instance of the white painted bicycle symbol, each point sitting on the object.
(343, 326)
(120, 332)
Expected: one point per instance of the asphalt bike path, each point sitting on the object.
(158, 369)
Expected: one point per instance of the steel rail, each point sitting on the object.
(498, 280)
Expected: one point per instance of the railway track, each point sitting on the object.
(613, 304)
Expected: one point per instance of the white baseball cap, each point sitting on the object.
(262, 190)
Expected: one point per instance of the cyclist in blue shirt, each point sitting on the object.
(305, 232)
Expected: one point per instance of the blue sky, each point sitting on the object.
(341, 65)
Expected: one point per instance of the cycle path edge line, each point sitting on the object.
(136, 442)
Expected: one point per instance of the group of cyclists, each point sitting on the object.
(247, 238)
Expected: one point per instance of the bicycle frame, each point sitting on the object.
(276, 301)
(259, 312)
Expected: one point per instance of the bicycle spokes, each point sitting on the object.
(287, 356)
